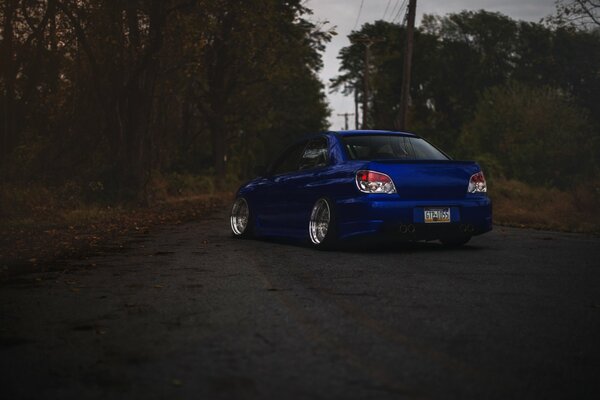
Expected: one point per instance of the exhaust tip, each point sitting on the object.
(467, 228)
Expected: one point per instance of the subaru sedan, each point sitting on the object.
(336, 186)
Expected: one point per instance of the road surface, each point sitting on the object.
(189, 312)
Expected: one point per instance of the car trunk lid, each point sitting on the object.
(425, 179)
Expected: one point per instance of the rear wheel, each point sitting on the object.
(455, 241)
(241, 219)
(321, 226)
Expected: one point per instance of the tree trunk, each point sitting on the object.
(7, 138)
(219, 154)
(137, 103)
(218, 126)
(220, 63)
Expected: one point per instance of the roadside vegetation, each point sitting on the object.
(111, 96)
(43, 224)
(524, 206)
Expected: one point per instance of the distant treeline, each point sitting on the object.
(521, 97)
(110, 92)
(102, 96)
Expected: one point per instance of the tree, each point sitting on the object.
(248, 45)
(454, 58)
(121, 56)
(115, 92)
(459, 56)
(23, 26)
(534, 134)
(583, 14)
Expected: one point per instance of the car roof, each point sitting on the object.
(372, 132)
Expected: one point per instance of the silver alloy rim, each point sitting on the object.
(239, 216)
(319, 221)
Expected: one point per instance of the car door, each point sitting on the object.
(297, 190)
(275, 214)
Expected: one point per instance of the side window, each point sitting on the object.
(315, 155)
(289, 161)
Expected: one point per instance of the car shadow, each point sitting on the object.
(387, 245)
(375, 245)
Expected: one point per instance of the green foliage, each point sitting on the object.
(465, 62)
(536, 135)
(116, 92)
(576, 14)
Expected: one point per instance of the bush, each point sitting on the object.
(187, 184)
(535, 135)
(521, 204)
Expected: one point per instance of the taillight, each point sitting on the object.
(374, 182)
(477, 183)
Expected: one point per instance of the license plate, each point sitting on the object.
(437, 215)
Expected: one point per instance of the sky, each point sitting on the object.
(347, 16)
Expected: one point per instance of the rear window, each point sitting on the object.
(390, 147)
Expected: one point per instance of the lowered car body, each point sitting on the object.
(341, 185)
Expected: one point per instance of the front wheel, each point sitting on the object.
(321, 226)
(241, 219)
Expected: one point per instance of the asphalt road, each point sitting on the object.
(189, 312)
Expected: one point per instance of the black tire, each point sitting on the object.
(241, 219)
(317, 238)
(457, 241)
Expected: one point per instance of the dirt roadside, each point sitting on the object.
(45, 243)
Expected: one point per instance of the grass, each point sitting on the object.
(39, 225)
(522, 205)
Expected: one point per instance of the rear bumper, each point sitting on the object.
(380, 214)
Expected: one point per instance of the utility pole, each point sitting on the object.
(366, 87)
(356, 107)
(406, 73)
(346, 115)
(366, 91)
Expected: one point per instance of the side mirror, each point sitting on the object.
(260, 170)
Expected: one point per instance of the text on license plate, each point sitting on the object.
(437, 215)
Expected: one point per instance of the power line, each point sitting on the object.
(386, 9)
(362, 2)
(399, 13)
(399, 18)
(394, 9)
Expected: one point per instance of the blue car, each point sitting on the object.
(337, 186)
